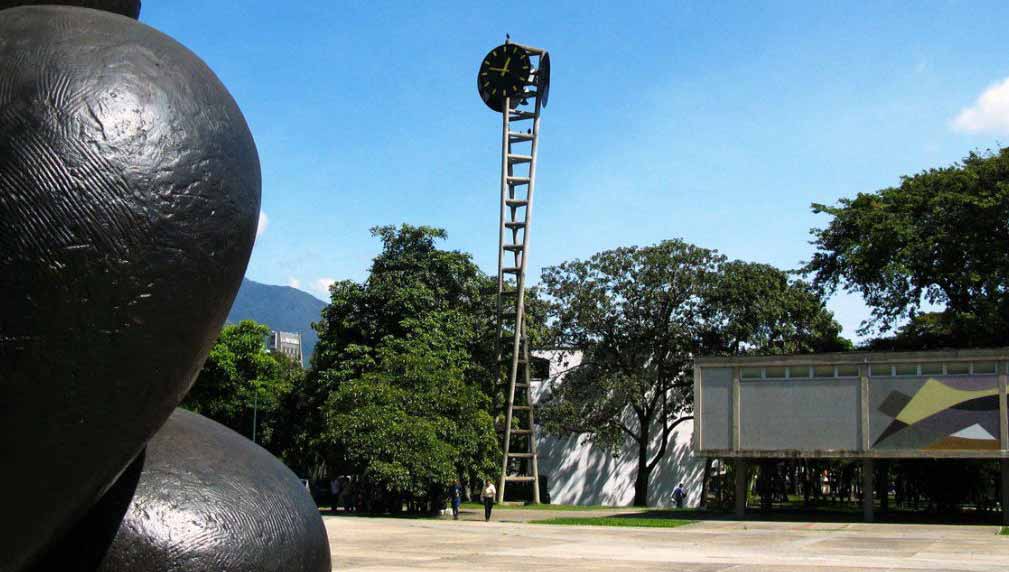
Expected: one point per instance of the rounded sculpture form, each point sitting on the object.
(210, 500)
(129, 198)
(128, 8)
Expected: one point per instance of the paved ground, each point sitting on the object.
(377, 544)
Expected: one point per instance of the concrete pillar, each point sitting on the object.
(741, 486)
(883, 486)
(1004, 464)
(867, 490)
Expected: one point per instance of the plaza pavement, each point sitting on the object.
(507, 543)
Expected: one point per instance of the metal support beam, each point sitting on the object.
(741, 485)
(867, 490)
(1004, 465)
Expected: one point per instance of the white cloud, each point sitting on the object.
(321, 286)
(264, 221)
(294, 282)
(989, 114)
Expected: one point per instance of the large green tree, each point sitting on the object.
(241, 383)
(640, 315)
(402, 378)
(940, 238)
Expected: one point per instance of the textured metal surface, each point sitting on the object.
(129, 8)
(210, 500)
(129, 196)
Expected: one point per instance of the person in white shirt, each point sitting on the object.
(488, 496)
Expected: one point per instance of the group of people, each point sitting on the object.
(488, 496)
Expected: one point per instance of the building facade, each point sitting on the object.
(867, 406)
(580, 473)
(287, 343)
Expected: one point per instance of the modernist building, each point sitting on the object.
(865, 406)
(578, 472)
(287, 343)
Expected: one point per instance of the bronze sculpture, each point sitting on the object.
(129, 197)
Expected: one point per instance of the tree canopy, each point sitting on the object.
(241, 380)
(400, 387)
(938, 238)
(640, 315)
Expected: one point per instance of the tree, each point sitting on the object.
(242, 380)
(401, 379)
(640, 315)
(757, 308)
(633, 312)
(938, 238)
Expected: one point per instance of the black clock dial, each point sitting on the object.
(543, 79)
(504, 72)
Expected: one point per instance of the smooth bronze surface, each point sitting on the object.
(129, 198)
(210, 500)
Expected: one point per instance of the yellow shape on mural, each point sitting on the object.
(934, 397)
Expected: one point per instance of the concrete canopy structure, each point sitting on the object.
(897, 405)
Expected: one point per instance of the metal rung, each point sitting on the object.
(513, 181)
(520, 158)
(519, 479)
(521, 431)
(521, 455)
(521, 407)
(520, 115)
(516, 202)
(509, 292)
(521, 386)
(515, 224)
(520, 136)
(510, 316)
(511, 270)
(509, 360)
(514, 248)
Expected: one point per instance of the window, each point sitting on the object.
(847, 371)
(751, 373)
(957, 368)
(775, 372)
(801, 371)
(823, 371)
(880, 370)
(906, 369)
(540, 369)
(984, 367)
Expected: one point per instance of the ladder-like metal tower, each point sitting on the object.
(520, 135)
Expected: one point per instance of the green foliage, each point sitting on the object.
(402, 376)
(640, 315)
(756, 308)
(241, 375)
(621, 521)
(939, 238)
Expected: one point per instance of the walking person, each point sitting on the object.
(455, 496)
(488, 495)
(679, 495)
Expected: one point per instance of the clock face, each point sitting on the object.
(543, 79)
(504, 72)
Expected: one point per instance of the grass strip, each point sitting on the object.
(615, 521)
(1004, 531)
(551, 507)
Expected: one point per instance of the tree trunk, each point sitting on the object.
(641, 481)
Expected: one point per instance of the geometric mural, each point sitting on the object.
(954, 413)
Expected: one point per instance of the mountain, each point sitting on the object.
(281, 308)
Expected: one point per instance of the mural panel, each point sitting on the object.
(958, 413)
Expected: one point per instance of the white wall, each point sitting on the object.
(579, 473)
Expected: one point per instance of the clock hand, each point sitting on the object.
(505, 69)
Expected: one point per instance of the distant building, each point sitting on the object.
(287, 343)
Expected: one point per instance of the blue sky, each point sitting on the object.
(718, 124)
